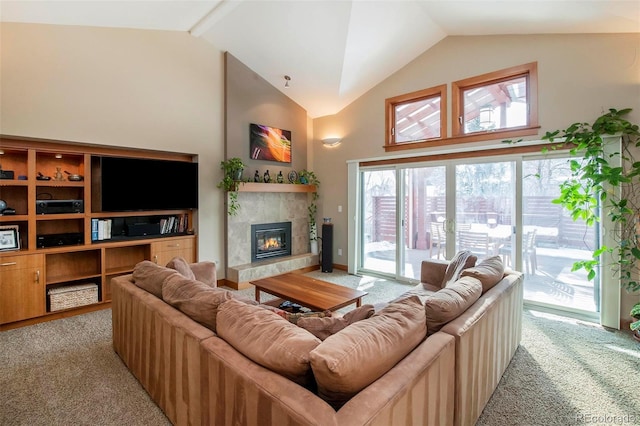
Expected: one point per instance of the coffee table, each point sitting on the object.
(309, 292)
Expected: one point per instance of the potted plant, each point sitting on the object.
(635, 325)
(232, 168)
(595, 171)
(309, 178)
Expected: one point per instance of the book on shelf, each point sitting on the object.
(174, 224)
(101, 229)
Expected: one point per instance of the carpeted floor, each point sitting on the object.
(565, 372)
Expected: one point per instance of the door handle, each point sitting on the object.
(37, 277)
(8, 263)
(155, 259)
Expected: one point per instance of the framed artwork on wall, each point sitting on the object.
(269, 143)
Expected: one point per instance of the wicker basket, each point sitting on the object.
(72, 296)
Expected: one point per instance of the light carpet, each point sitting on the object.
(565, 372)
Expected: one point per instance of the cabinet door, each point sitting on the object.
(162, 252)
(21, 288)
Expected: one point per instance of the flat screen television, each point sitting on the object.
(138, 184)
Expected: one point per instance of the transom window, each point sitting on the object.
(416, 116)
(496, 101)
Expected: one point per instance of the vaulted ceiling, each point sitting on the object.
(333, 50)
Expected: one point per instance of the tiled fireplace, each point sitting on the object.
(257, 208)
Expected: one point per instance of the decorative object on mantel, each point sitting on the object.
(310, 178)
(267, 177)
(256, 177)
(233, 168)
(293, 176)
(280, 178)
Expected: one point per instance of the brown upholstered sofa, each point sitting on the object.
(197, 377)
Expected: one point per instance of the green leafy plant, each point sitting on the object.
(310, 178)
(635, 313)
(595, 171)
(232, 168)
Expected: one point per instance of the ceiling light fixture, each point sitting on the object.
(331, 142)
(287, 79)
(58, 156)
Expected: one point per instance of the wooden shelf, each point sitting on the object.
(275, 187)
(13, 182)
(14, 218)
(70, 277)
(59, 183)
(59, 216)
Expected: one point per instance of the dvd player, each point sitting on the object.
(55, 240)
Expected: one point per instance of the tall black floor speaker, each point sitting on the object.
(327, 247)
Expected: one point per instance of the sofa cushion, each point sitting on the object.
(268, 339)
(462, 260)
(350, 360)
(329, 325)
(149, 276)
(489, 271)
(450, 302)
(195, 299)
(181, 265)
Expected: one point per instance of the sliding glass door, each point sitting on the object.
(554, 242)
(414, 212)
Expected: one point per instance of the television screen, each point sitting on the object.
(270, 143)
(132, 184)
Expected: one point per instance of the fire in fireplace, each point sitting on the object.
(270, 240)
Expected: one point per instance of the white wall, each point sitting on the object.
(129, 88)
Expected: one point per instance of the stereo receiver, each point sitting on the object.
(59, 206)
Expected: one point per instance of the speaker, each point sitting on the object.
(142, 229)
(327, 247)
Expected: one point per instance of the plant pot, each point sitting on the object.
(314, 246)
(237, 175)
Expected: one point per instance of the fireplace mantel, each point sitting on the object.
(275, 187)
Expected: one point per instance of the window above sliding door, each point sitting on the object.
(492, 105)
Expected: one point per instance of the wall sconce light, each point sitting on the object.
(486, 116)
(287, 79)
(331, 142)
(58, 156)
(1, 152)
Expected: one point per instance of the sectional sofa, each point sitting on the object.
(245, 365)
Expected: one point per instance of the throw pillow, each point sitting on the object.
(149, 276)
(450, 302)
(181, 265)
(462, 260)
(195, 299)
(268, 339)
(489, 271)
(329, 325)
(348, 361)
(294, 318)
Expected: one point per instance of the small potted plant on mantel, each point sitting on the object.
(309, 178)
(233, 168)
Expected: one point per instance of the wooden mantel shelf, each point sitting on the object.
(275, 187)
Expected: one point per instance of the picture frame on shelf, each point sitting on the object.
(9, 238)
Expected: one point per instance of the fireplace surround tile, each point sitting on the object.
(266, 207)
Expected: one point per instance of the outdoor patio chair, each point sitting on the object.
(478, 243)
(529, 254)
(438, 240)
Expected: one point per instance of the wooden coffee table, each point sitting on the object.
(309, 292)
